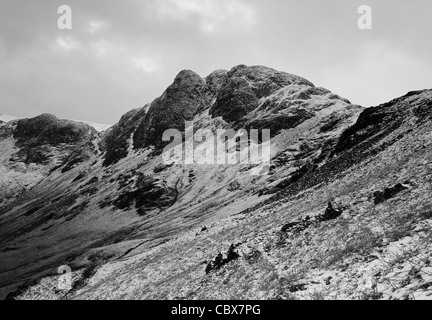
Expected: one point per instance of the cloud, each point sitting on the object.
(145, 64)
(66, 43)
(379, 73)
(118, 58)
(210, 15)
(96, 26)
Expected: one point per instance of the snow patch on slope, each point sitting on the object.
(7, 118)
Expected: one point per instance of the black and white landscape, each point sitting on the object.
(343, 210)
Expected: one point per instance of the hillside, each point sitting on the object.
(343, 213)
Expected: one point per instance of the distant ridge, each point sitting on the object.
(98, 126)
(7, 118)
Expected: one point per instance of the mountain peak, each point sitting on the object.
(186, 78)
(262, 72)
(182, 101)
(245, 86)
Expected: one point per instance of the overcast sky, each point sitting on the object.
(121, 55)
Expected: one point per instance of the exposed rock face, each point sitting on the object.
(79, 155)
(294, 104)
(244, 88)
(182, 101)
(216, 81)
(48, 129)
(117, 140)
(108, 202)
(38, 136)
(148, 194)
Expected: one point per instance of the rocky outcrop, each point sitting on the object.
(332, 212)
(117, 140)
(78, 156)
(388, 193)
(244, 88)
(47, 129)
(147, 195)
(219, 261)
(216, 81)
(38, 137)
(182, 101)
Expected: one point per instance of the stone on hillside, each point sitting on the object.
(331, 212)
(388, 193)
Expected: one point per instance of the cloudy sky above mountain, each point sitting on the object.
(121, 55)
